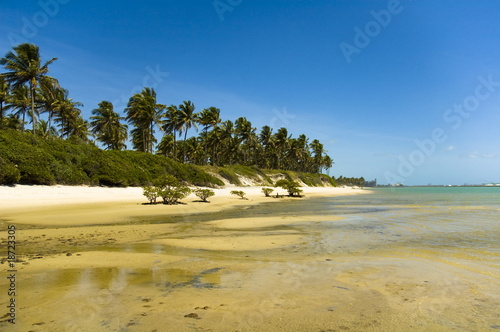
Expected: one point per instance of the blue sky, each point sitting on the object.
(375, 81)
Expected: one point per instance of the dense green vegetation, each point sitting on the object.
(29, 159)
(61, 146)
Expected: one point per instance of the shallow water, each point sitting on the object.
(425, 259)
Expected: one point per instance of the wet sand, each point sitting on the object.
(231, 265)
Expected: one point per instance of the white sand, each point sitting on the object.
(82, 205)
(21, 196)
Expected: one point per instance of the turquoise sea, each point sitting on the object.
(454, 232)
(466, 219)
(419, 258)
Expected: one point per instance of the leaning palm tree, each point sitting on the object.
(143, 112)
(188, 118)
(24, 66)
(107, 128)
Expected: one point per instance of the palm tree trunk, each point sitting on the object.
(1, 114)
(205, 160)
(24, 117)
(175, 145)
(150, 138)
(184, 147)
(33, 117)
(144, 140)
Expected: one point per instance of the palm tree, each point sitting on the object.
(172, 125)
(213, 141)
(144, 113)
(246, 133)
(327, 163)
(24, 67)
(194, 150)
(47, 96)
(281, 143)
(44, 129)
(107, 128)
(68, 114)
(4, 97)
(227, 142)
(301, 152)
(20, 103)
(187, 118)
(167, 145)
(208, 118)
(317, 150)
(79, 127)
(12, 121)
(265, 140)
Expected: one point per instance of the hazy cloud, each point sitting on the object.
(478, 155)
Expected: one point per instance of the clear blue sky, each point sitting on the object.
(302, 64)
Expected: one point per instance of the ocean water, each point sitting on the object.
(439, 245)
(458, 219)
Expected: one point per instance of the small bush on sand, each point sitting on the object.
(203, 194)
(239, 193)
(267, 191)
(151, 194)
(171, 190)
(290, 186)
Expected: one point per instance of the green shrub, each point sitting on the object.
(230, 175)
(267, 191)
(73, 162)
(151, 194)
(203, 194)
(9, 173)
(171, 190)
(290, 186)
(239, 193)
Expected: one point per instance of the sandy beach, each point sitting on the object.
(80, 205)
(98, 259)
(63, 232)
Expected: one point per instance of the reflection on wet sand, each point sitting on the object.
(305, 266)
